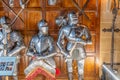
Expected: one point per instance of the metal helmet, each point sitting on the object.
(42, 23)
(43, 26)
(72, 17)
(72, 13)
(4, 20)
(61, 21)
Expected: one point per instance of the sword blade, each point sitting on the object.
(16, 17)
(19, 13)
(82, 11)
(14, 13)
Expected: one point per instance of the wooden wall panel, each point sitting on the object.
(89, 66)
(91, 48)
(53, 28)
(56, 5)
(19, 23)
(2, 13)
(1, 5)
(50, 18)
(16, 3)
(33, 17)
(68, 3)
(91, 5)
(91, 24)
(34, 3)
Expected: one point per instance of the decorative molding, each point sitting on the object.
(110, 30)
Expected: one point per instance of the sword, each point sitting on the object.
(81, 10)
(11, 10)
(22, 6)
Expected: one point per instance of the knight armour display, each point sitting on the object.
(42, 50)
(11, 43)
(77, 36)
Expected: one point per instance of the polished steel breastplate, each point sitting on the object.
(41, 45)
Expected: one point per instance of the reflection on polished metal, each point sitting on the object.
(11, 3)
(74, 49)
(42, 50)
(61, 21)
(109, 71)
(3, 20)
(22, 5)
(52, 2)
(12, 46)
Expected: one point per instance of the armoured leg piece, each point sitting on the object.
(69, 66)
(77, 37)
(81, 69)
(70, 76)
(42, 48)
(51, 62)
(15, 77)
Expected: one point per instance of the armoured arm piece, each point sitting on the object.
(51, 45)
(77, 40)
(16, 38)
(31, 50)
(61, 21)
(51, 51)
(60, 42)
(1, 46)
(87, 35)
(16, 50)
(1, 36)
(84, 35)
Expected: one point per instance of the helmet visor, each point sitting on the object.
(44, 30)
